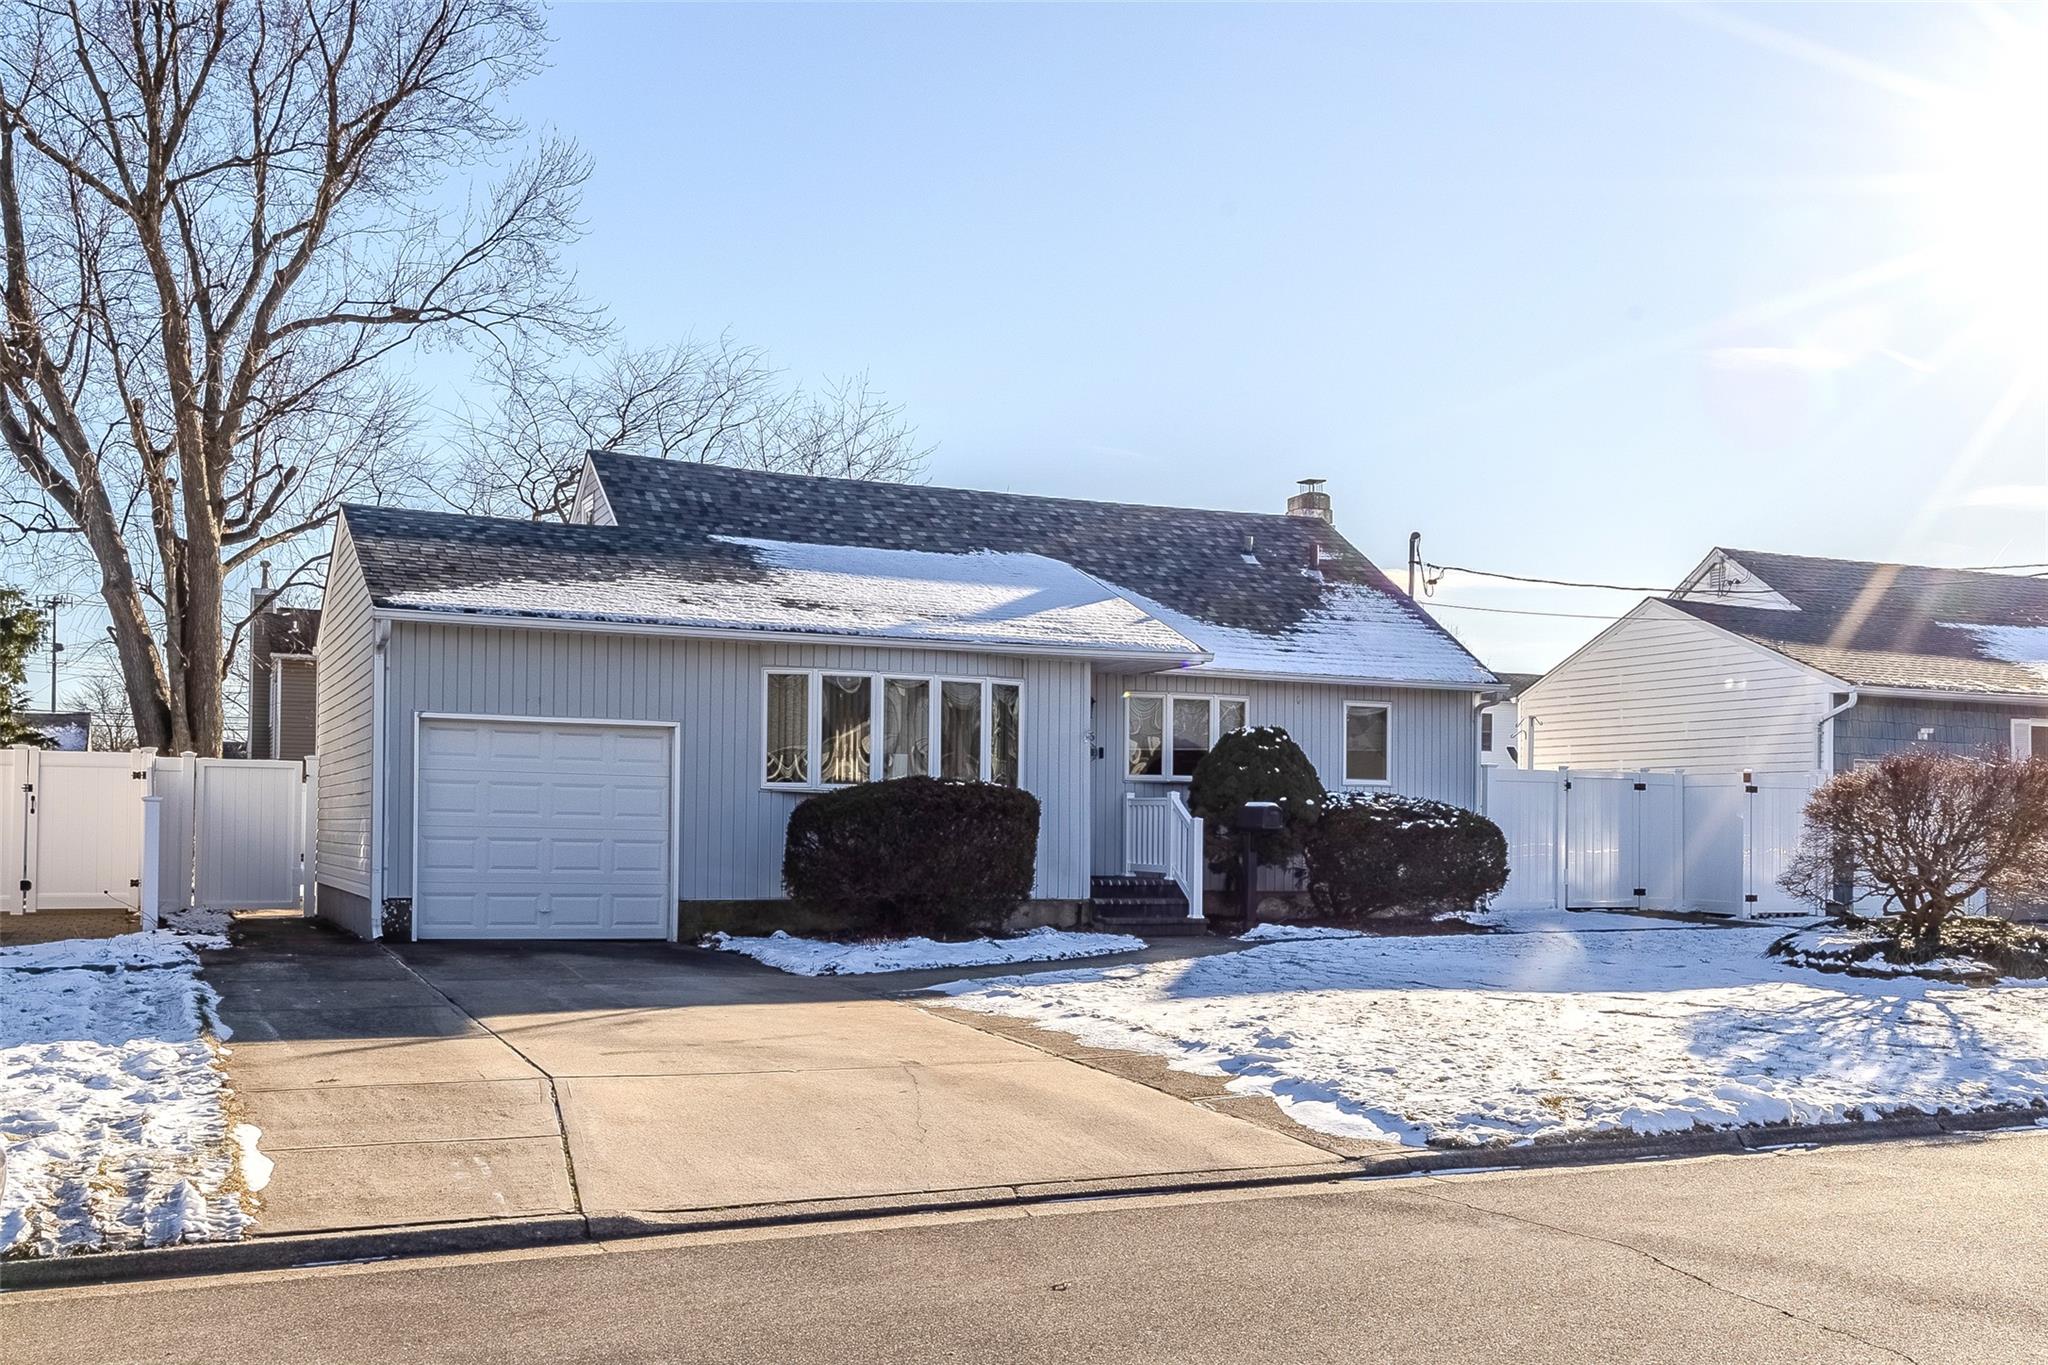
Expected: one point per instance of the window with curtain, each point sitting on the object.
(1168, 734)
(826, 728)
(1365, 743)
(960, 731)
(844, 755)
(1147, 735)
(907, 727)
(789, 727)
(1004, 762)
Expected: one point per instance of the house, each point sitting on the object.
(1500, 725)
(1784, 663)
(66, 731)
(282, 689)
(599, 729)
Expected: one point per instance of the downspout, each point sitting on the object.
(1826, 734)
(380, 735)
(1480, 701)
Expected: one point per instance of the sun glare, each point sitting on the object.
(1988, 192)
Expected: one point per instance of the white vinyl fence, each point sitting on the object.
(81, 831)
(1648, 840)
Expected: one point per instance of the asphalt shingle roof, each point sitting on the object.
(1895, 625)
(1304, 599)
(1301, 600)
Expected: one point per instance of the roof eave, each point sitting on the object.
(629, 626)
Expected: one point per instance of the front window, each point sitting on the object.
(789, 728)
(828, 729)
(1365, 743)
(844, 753)
(1166, 736)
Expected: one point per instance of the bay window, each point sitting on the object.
(826, 728)
(1167, 734)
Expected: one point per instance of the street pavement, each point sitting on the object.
(1866, 1252)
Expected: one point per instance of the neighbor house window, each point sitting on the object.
(1486, 732)
(1166, 735)
(1365, 742)
(833, 729)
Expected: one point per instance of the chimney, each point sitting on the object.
(1311, 501)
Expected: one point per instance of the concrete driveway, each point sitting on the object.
(443, 1082)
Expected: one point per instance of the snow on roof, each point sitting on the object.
(1355, 633)
(2026, 646)
(979, 599)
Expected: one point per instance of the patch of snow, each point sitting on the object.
(210, 924)
(1518, 1037)
(986, 598)
(113, 1129)
(256, 1167)
(816, 957)
(2026, 646)
(1358, 632)
(1271, 932)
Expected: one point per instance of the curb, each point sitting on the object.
(304, 1250)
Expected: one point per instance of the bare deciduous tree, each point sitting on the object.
(113, 722)
(715, 402)
(1929, 831)
(219, 220)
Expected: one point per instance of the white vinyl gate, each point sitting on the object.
(97, 830)
(1648, 840)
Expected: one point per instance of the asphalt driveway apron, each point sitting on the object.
(444, 1082)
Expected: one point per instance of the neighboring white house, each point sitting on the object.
(1500, 725)
(554, 731)
(1791, 663)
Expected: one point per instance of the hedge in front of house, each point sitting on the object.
(1374, 855)
(912, 856)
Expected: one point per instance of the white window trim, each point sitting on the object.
(1166, 729)
(2022, 744)
(814, 723)
(1344, 745)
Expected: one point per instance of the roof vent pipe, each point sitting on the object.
(1312, 501)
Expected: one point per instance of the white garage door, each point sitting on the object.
(543, 830)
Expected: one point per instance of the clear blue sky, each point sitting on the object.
(1576, 292)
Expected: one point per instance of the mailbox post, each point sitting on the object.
(1254, 817)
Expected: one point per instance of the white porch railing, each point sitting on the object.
(1162, 836)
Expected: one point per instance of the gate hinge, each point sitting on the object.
(1642, 786)
(1750, 790)
(135, 881)
(25, 885)
(1567, 785)
(138, 776)
(1749, 900)
(1642, 891)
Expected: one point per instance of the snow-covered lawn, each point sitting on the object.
(1551, 1032)
(816, 957)
(112, 1117)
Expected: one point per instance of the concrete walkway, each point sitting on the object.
(441, 1082)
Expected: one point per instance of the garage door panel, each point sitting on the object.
(544, 830)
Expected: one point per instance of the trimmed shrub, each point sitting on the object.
(1257, 764)
(1372, 855)
(912, 856)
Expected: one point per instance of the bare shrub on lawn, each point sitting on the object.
(1929, 831)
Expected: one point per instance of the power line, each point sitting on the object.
(1432, 605)
(1442, 569)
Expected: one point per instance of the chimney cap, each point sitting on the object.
(1312, 485)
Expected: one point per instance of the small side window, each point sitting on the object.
(1365, 743)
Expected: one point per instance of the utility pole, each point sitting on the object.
(1414, 559)
(50, 604)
